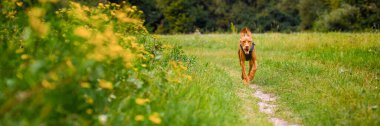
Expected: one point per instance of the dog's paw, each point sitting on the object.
(246, 81)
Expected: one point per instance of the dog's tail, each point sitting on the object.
(245, 32)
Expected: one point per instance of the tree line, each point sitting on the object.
(185, 16)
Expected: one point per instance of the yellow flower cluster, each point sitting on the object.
(11, 14)
(35, 14)
(90, 101)
(19, 3)
(89, 111)
(139, 118)
(123, 17)
(141, 101)
(176, 72)
(107, 43)
(47, 84)
(105, 84)
(82, 32)
(107, 46)
(78, 12)
(85, 85)
(155, 118)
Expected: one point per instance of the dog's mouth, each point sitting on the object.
(246, 50)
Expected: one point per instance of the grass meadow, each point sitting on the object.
(319, 78)
(68, 63)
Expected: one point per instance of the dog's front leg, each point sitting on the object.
(252, 69)
(244, 76)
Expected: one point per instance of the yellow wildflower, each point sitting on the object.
(85, 85)
(188, 77)
(82, 32)
(100, 5)
(78, 12)
(128, 57)
(134, 45)
(34, 19)
(143, 65)
(141, 101)
(140, 56)
(86, 8)
(89, 111)
(47, 84)
(36, 12)
(98, 56)
(21, 50)
(115, 49)
(167, 46)
(182, 67)
(139, 118)
(121, 16)
(113, 13)
(90, 101)
(19, 3)
(69, 64)
(53, 76)
(105, 84)
(24, 56)
(155, 118)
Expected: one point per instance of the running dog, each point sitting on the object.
(247, 53)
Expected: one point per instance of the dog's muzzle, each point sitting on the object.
(246, 50)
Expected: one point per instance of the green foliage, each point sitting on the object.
(233, 28)
(346, 18)
(309, 11)
(83, 65)
(181, 16)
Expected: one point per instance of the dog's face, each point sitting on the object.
(246, 42)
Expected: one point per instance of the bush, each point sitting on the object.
(81, 65)
(345, 18)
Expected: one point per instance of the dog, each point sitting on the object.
(247, 53)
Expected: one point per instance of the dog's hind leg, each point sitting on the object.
(243, 72)
(252, 69)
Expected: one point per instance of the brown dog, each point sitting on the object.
(247, 53)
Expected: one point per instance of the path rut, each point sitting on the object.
(267, 101)
(267, 106)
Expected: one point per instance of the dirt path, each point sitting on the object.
(267, 106)
(266, 101)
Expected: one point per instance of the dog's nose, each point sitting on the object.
(246, 46)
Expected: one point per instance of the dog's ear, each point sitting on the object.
(242, 32)
(249, 32)
(245, 32)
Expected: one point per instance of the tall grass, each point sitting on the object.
(69, 64)
(322, 78)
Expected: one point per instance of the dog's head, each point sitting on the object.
(245, 39)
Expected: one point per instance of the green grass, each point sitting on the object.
(321, 78)
(98, 65)
(213, 97)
